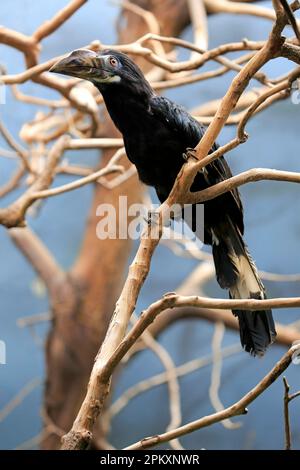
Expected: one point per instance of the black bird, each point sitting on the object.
(156, 134)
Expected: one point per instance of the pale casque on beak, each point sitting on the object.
(84, 64)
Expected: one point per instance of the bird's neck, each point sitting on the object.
(127, 108)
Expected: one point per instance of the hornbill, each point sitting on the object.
(156, 134)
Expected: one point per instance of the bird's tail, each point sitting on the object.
(236, 271)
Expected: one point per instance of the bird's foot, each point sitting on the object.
(152, 219)
(190, 154)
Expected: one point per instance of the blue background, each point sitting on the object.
(272, 232)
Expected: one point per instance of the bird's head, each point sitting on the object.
(104, 69)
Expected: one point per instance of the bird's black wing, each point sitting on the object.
(177, 119)
(189, 130)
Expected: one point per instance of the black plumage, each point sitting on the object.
(156, 134)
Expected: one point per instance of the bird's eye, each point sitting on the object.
(113, 62)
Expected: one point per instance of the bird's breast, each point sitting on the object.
(158, 158)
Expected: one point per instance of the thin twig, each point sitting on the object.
(172, 381)
(30, 320)
(216, 374)
(19, 398)
(238, 408)
(159, 379)
(287, 398)
(23, 154)
(286, 415)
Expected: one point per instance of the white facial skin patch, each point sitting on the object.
(113, 79)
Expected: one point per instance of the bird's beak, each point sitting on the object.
(81, 63)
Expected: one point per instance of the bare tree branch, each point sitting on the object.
(37, 254)
(238, 408)
(287, 398)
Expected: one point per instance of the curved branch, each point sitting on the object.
(249, 176)
(37, 254)
(52, 25)
(238, 408)
(13, 215)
